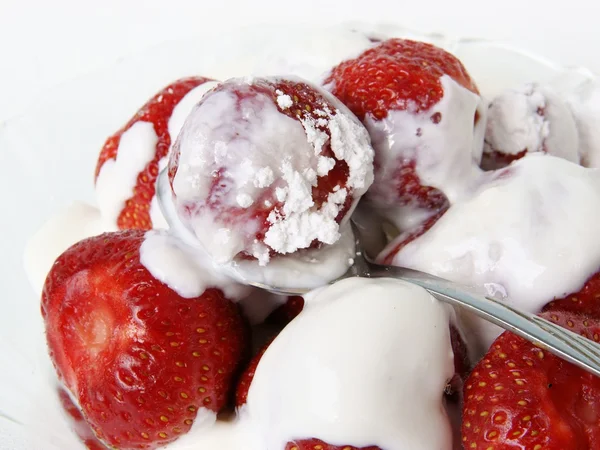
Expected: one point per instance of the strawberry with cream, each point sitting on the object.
(330, 375)
(523, 235)
(268, 166)
(426, 120)
(131, 159)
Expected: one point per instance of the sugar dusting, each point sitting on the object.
(531, 118)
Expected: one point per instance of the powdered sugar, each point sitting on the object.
(283, 100)
(532, 118)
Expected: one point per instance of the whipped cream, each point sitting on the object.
(532, 118)
(342, 371)
(185, 269)
(264, 157)
(524, 235)
(446, 151)
(184, 107)
(118, 177)
(584, 101)
(78, 221)
(308, 268)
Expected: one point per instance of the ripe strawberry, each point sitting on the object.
(241, 392)
(585, 301)
(251, 215)
(316, 444)
(397, 74)
(520, 396)
(158, 111)
(400, 75)
(80, 426)
(285, 313)
(140, 360)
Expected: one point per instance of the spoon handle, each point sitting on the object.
(565, 344)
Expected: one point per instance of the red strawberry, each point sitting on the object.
(316, 444)
(520, 396)
(389, 253)
(158, 111)
(584, 301)
(399, 75)
(394, 73)
(241, 392)
(80, 426)
(297, 100)
(285, 313)
(139, 359)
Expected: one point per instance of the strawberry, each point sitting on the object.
(585, 301)
(280, 317)
(255, 212)
(285, 313)
(403, 75)
(241, 392)
(140, 360)
(80, 426)
(395, 75)
(158, 110)
(316, 444)
(520, 396)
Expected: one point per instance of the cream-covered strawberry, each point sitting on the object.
(131, 159)
(526, 120)
(426, 120)
(142, 362)
(523, 236)
(344, 372)
(268, 166)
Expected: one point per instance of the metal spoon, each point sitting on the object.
(565, 344)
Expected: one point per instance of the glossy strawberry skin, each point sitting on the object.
(585, 301)
(140, 360)
(158, 111)
(78, 423)
(316, 444)
(520, 396)
(396, 74)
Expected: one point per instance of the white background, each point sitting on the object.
(43, 43)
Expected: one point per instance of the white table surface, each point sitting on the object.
(44, 43)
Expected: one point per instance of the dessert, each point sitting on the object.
(268, 166)
(426, 119)
(159, 341)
